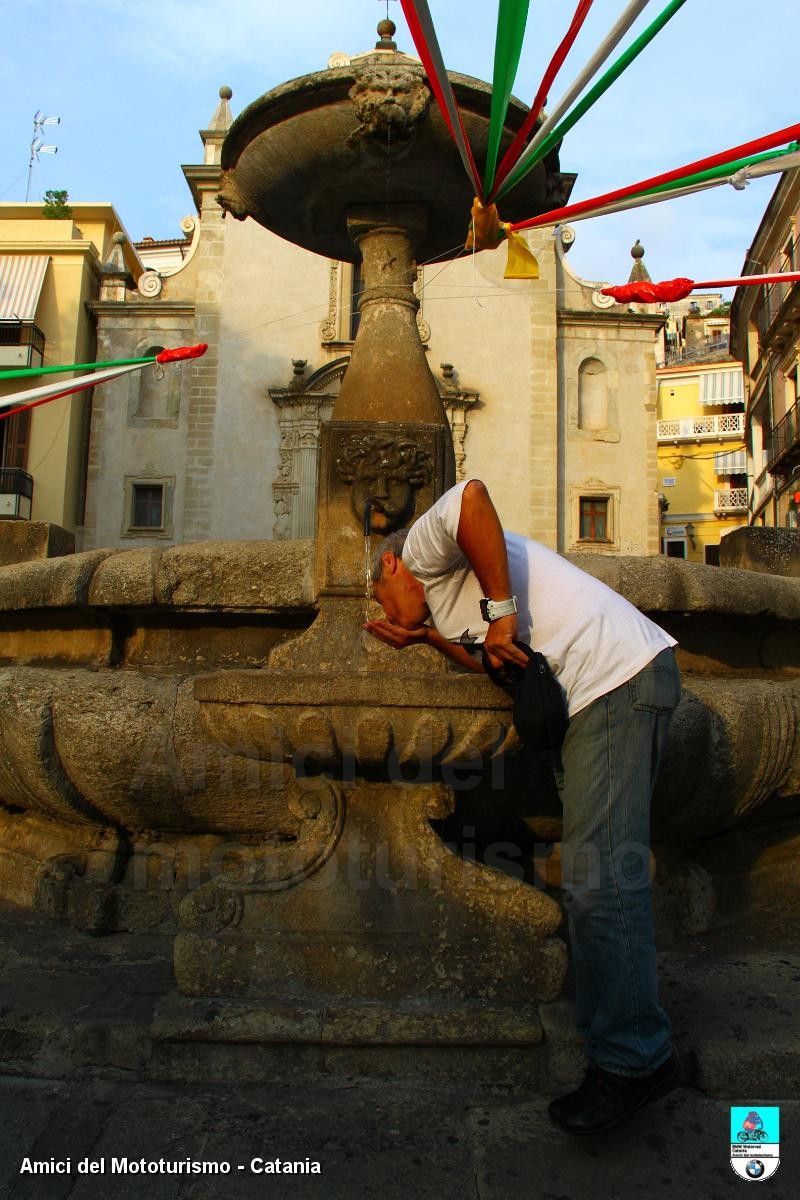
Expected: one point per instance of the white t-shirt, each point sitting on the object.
(593, 639)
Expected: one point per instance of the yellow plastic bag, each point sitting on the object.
(522, 263)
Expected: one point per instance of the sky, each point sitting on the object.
(133, 82)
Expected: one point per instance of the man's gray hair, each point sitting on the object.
(392, 544)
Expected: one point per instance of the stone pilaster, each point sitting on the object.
(205, 374)
(653, 512)
(543, 454)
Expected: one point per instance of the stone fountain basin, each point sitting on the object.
(366, 719)
(140, 688)
(299, 157)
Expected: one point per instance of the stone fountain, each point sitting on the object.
(356, 163)
(202, 742)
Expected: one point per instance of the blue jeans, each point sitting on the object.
(610, 759)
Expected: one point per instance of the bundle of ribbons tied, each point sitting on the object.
(541, 133)
(101, 372)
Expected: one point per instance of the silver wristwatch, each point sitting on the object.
(492, 610)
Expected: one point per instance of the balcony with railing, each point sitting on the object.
(16, 493)
(762, 490)
(717, 428)
(783, 443)
(778, 298)
(21, 344)
(731, 500)
(708, 350)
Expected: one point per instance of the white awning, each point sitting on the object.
(734, 462)
(722, 387)
(21, 279)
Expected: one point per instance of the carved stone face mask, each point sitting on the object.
(386, 471)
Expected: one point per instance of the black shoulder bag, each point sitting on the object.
(540, 706)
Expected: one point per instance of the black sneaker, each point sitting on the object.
(604, 1099)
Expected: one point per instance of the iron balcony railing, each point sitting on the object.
(731, 500)
(775, 295)
(690, 429)
(16, 493)
(785, 436)
(13, 481)
(21, 333)
(762, 490)
(708, 348)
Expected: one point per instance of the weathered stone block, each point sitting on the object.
(770, 551)
(53, 583)
(657, 584)
(21, 541)
(126, 579)
(264, 575)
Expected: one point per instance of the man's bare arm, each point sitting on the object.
(480, 536)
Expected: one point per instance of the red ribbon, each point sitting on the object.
(419, 21)
(790, 134)
(9, 412)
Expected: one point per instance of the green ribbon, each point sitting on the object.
(27, 372)
(512, 16)
(593, 95)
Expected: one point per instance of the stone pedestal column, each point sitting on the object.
(406, 461)
(388, 376)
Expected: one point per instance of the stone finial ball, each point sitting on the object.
(225, 92)
(387, 28)
(637, 250)
(119, 239)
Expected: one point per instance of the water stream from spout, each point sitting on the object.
(367, 574)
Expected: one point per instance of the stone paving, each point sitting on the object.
(79, 1080)
(372, 1139)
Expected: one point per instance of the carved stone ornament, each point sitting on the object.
(271, 865)
(330, 326)
(149, 284)
(387, 470)
(302, 407)
(211, 909)
(422, 325)
(388, 102)
(601, 301)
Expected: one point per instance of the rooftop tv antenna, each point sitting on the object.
(37, 147)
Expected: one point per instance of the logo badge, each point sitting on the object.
(755, 1141)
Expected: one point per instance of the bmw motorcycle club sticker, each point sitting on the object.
(755, 1142)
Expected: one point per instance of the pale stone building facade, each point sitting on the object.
(550, 387)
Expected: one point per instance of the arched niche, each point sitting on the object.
(592, 395)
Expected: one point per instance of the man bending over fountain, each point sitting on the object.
(457, 581)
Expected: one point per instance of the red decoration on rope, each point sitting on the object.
(780, 138)
(515, 149)
(180, 353)
(650, 293)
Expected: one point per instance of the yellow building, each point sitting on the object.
(49, 274)
(702, 464)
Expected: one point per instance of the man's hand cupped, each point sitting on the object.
(396, 635)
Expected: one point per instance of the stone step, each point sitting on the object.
(75, 1006)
